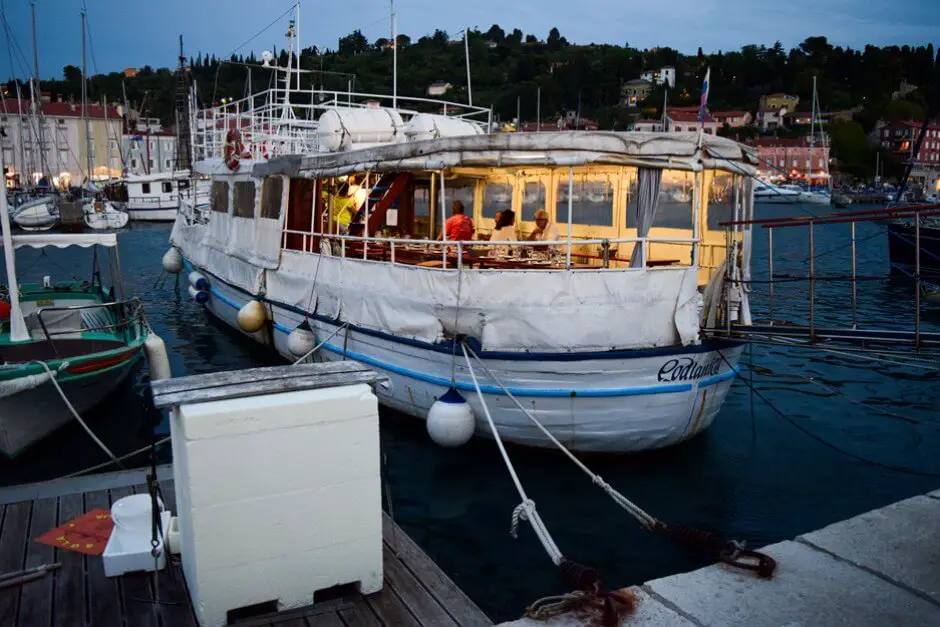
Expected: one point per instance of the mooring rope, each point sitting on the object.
(75, 413)
(731, 552)
(526, 509)
(632, 508)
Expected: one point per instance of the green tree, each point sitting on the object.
(850, 148)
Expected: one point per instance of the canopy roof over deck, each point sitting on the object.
(686, 151)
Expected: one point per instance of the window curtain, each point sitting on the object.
(646, 203)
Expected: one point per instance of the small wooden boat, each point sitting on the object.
(80, 334)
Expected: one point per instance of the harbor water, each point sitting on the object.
(826, 436)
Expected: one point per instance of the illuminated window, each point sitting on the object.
(496, 197)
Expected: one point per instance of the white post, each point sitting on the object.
(394, 56)
(466, 49)
(570, 203)
(443, 223)
(18, 332)
(300, 48)
(365, 228)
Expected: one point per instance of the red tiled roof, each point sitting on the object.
(686, 115)
(59, 109)
(777, 142)
(729, 114)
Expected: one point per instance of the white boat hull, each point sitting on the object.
(605, 402)
(142, 213)
(31, 415)
(815, 198)
(107, 218)
(37, 216)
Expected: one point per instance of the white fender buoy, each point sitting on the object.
(251, 317)
(173, 260)
(200, 296)
(301, 340)
(198, 280)
(157, 358)
(450, 421)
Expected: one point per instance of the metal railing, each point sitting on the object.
(125, 314)
(814, 332)
(455, 254)
(279, 122)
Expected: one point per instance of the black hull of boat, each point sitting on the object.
(902, 250)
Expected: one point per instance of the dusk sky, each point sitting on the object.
(133, 33)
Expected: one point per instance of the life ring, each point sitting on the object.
(234, 149)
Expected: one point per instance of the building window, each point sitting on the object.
(218, 196)
(145, 188)
(150, 161)
(63, 156)
(113, 145)
(167, 187)
(167, 163)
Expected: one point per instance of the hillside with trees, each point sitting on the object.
(514, 65)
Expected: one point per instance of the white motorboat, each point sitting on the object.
(39, 214)
(606, 349)
(768, 193)
(156, 197)
(103, 215)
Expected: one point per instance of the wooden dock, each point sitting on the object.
(416, 592)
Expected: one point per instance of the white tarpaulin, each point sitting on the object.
(513, 311)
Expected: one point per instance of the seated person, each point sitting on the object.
(544, 231)
(458, 227)
(504, 231)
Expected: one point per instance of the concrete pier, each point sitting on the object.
(879, 568)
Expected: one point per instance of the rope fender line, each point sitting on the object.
(730, 552)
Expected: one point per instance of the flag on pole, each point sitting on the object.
(703, 106)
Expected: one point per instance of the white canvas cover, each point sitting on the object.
(64, 240)
(512, 311)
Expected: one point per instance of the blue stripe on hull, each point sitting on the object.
(492, 389)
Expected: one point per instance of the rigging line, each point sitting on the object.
(826, 443)
(24, 63)
(832, 390)
(910, 360)
(256, 35)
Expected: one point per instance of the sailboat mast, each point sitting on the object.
(89, 166)
(37, 111)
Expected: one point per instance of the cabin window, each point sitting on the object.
(676, 194)
(533, 199)
(462, 190)
(496, 197)
(133, 163)
(184, 184)
(218, 196)
(167, 187)
(422, 208)
(145, 188)
(271, 195)
(722, 195)
(592, 202)
(243, 199)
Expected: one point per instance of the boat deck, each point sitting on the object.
(416, 592)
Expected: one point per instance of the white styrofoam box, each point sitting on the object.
(279, 496)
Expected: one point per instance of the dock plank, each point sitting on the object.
(460, 607)
(415, 596)
(13, 552)
(359, 615)
(325, 620)
(390, 609)
(69, 587)
(35, 608)
(104, 597)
